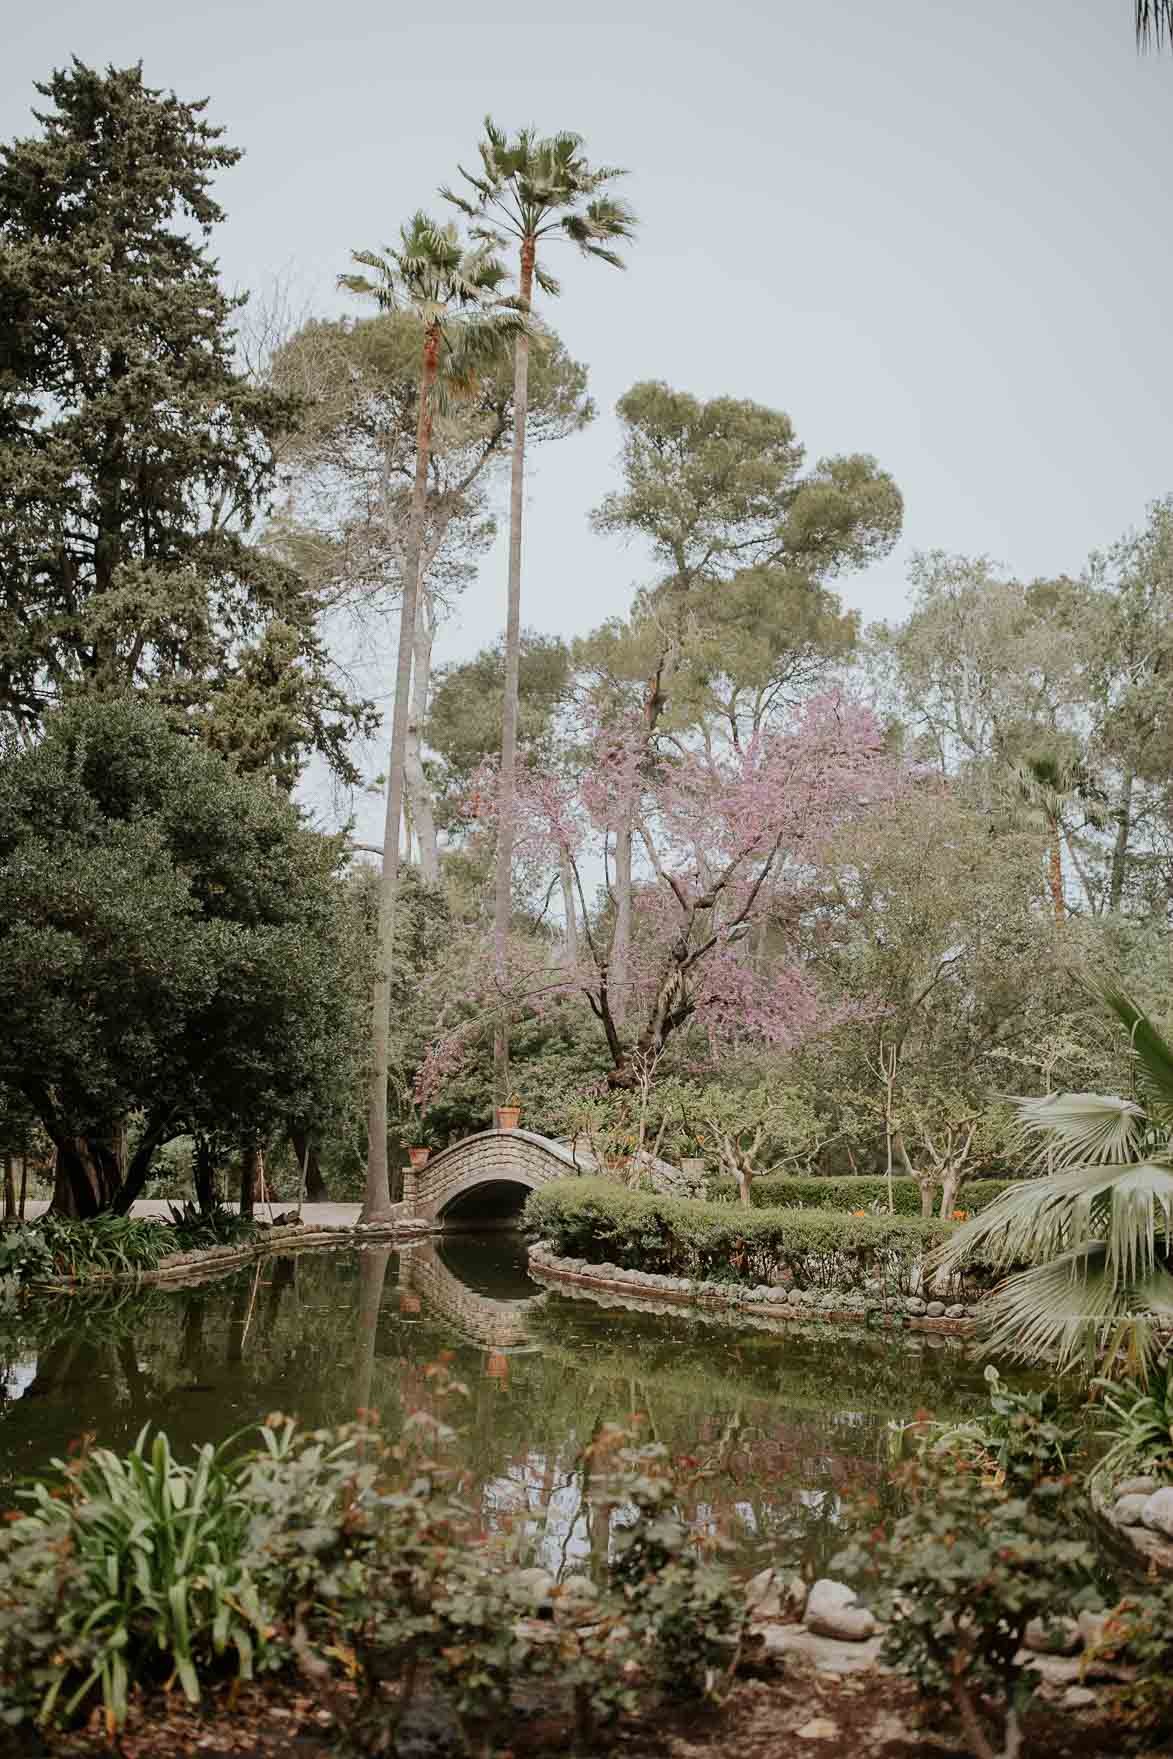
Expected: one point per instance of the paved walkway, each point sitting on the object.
(325, 1215)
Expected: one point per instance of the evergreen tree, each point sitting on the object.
(133, 455)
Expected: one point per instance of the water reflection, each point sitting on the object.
(781, 1426)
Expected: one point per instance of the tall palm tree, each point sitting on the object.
(1098, 1231)
(465, 323)
(1044, 789)
(531, 190)
(1154, 23)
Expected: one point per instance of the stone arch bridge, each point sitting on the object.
(485, 1174)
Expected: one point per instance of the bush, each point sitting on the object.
(54, 1246)
(975, 1558)
(792, 1191)
(359, 1561)
(601, 1222)
(191, 1228)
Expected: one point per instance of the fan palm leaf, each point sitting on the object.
(1098, 1233)
(1154, 23)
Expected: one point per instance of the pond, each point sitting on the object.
(788, 1423)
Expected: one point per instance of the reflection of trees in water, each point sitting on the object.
(782, 1427)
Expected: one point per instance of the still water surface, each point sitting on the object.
(789, 1423)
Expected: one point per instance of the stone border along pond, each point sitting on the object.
(772, 1301)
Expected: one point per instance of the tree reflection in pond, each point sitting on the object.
(782, 1422)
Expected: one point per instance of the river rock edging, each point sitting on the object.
(1139, 1510)
(775, 1301)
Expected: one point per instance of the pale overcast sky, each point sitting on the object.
(934, 230)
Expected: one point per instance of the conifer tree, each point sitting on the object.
(134, 456)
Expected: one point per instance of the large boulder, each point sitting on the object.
(1157, 1513)
(832, 1610)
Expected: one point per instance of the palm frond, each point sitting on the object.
(1078, 1128)
(1153, 1056)
(1072, 1308)
(1037, 1219)
(1154, 23)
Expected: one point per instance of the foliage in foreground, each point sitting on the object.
(337, 1552)
(602, 1222)
(984, 1547)
(1097, 1232)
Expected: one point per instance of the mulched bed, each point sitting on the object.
(798, 1714)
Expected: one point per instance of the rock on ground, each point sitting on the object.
(832, 1610)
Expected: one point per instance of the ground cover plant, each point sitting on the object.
(603, 1222)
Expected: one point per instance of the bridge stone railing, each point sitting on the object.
(492, 1157)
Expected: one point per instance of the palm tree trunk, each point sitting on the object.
(1055, 863)
(418, 792)
(504, 870)
(1120, 846)
(377, 1195)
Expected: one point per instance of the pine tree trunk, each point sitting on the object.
(620, 981)
(570, 910)
(418, 792)
(307, 1154)
(377, 1195)
(1120, 846)
(9, 1190)
(204, 1176)
(503, 878)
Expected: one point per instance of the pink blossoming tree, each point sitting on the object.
(727, 842)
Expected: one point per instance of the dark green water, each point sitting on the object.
(788, 1423)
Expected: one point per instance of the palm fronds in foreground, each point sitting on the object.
(1097, 1231)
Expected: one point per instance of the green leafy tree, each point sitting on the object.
(747, 543)
(133, 455)
(172, 959)
(532, 190)
(351, 468)
(464, 324)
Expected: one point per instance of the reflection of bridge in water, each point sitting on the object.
(479, 1285)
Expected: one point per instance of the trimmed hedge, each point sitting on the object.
(602, 1222)
(792, 1191)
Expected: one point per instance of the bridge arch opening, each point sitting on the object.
(491, 1203)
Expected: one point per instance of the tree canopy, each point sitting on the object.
(172, 950)
(134, 456)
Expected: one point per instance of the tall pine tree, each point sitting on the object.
(134, 457)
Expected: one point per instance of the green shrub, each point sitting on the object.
(190, 1227)
(1137, 1423)
(361, 1562)
(602, 1222)
(116, 1245)
(128, 1565)
(791, 1191)
(972, 1560)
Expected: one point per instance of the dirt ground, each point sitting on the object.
(791, 1714)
